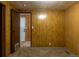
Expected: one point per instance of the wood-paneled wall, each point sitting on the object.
(72, 28)
(50, 30)
(7, 29)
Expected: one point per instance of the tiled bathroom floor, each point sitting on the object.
(42, 52)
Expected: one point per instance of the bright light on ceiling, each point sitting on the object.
(42, 16)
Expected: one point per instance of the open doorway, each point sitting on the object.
(20, 30)
(25, 29)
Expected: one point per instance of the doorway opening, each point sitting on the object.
(25, 29)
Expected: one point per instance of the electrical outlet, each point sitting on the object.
(50, 44)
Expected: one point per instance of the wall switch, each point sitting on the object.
(32, 27)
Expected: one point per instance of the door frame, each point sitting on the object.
(3, 30)
(30, 25)
(11, 29)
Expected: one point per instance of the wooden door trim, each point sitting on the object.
(11, 30)
(3, 30)
(30, 25)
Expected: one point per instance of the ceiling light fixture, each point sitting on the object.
(42, 16)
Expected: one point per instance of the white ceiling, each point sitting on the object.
(34, 5)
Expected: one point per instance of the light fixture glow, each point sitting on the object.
(42, 16)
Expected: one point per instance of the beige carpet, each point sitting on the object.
(42, 52)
